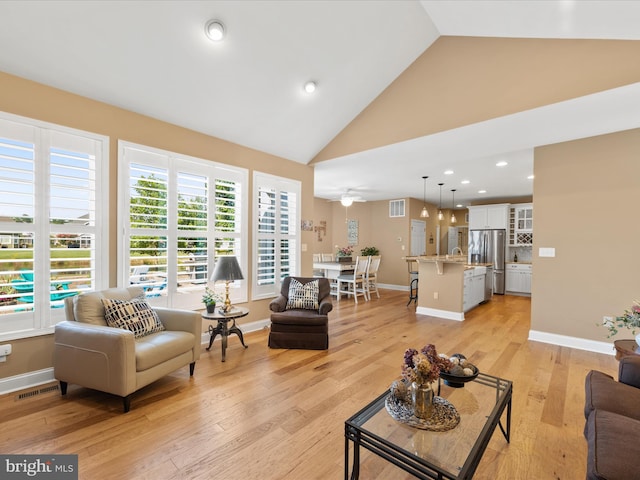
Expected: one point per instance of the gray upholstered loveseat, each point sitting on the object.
(612, 412)
(87, 352)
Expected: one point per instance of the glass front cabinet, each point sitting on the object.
(521, 225)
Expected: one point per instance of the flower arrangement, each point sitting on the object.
(344, 251)
(629, 319)
(424, 366)
(210, 297)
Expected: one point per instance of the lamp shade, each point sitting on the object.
(228, 269)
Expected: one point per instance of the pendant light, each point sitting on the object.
(440, 214)
(453, 205)
(424, 213)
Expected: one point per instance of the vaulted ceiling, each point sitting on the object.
(403, 88)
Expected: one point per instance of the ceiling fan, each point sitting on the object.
(349, 197)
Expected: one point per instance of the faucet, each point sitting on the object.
(453, 250)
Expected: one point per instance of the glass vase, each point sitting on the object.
(422, 400)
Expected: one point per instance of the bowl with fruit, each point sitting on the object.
(459, 372)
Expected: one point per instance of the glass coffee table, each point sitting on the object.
(453, 454)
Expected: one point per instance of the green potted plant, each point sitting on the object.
(369, 252)
(630, 319)
(210, 298)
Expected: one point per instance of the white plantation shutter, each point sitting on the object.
(277, 232)
(53, 222)
(266, 262)
(288, 233)
(178, 214)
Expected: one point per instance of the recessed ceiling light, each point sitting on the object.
(310, 87)
(530, 177)
(465, 182)
(214, 29)
(482, 191)
(502, 164)
(448, 172)
(459, 205)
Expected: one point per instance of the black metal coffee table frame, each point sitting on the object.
(419, 467)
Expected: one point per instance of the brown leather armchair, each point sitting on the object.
(87, 352)
(299, 327)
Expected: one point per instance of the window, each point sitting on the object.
(178, 214)
(276, 232)
(53, 227)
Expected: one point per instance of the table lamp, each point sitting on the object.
(228, 270)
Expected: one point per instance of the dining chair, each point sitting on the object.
(317, 258)
(327, 257)
(355, 283)
(371, 278)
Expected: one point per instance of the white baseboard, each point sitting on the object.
(388, 286)
(573, 342)
(26, 380)
(446, 314)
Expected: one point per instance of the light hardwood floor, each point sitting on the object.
(279, 414)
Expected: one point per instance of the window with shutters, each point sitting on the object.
(276, 232)
(178, 214)
(53, 221)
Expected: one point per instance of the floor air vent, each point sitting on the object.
(33, 393)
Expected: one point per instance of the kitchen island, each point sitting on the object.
(449, 286)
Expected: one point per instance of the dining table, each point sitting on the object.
(331, 270)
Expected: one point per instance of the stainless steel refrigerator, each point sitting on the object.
(488, 246)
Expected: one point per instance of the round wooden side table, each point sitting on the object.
(626, 347)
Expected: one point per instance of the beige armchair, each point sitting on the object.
(87, 352)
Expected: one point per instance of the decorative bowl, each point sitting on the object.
(458, 381)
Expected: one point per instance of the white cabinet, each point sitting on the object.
(521, 224)
(477, 289)
(489, 216)
(474, 284)
(511, 280)
(467, 292)
(518, 278)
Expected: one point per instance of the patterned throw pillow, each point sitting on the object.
(135, 315)
(303, 296)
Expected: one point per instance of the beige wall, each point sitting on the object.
(392, 236)
(33, 100)
(319, 240)
(586, 199)
(463, 80)
(375, 229)
(449, 286)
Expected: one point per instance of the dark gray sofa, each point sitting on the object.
(612, 429)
